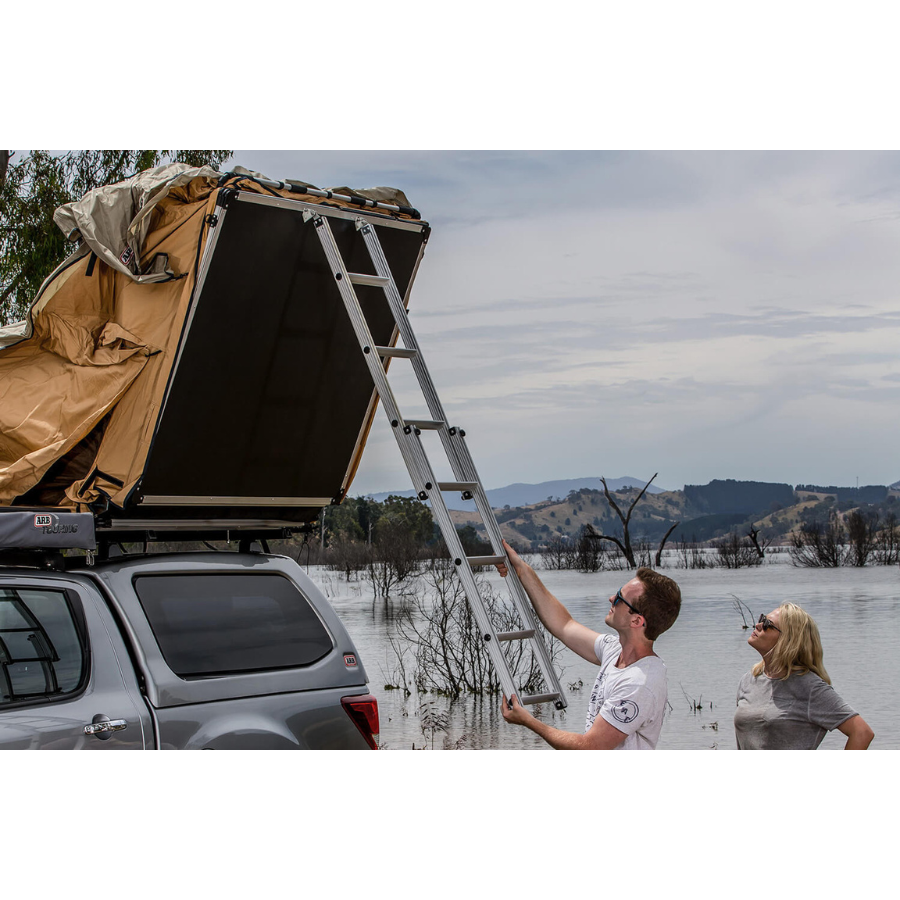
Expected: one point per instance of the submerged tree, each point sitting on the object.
(862, 534)
(760, 548)
(31, 245)
(736, 552)
(819, 546)
(887, 549)
(624, 543)
(559, 552)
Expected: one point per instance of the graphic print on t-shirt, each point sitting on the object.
(626, 711)
(596, 701)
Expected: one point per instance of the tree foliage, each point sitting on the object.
(31, 189)
(730, 496)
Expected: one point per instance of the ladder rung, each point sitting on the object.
(515, 635)
(425, 424)
(396, 351)
(457, 485)
(371, 280)
(538, 698)
(485, 560)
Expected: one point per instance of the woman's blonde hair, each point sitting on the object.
(799, 647)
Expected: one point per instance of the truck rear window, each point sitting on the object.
(208, 624)
(42, 655)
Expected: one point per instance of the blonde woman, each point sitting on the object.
(786, 701)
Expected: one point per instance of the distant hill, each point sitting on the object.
(525, 494)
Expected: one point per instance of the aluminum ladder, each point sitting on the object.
(408, 431)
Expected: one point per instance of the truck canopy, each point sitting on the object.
(191, 366)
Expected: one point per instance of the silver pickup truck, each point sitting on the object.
(206, 651)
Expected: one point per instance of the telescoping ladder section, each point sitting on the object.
(407, 433)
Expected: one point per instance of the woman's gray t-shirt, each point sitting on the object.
(790, 714)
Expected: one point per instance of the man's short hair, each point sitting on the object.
(660, 602)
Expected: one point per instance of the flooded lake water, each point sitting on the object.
(706, 652)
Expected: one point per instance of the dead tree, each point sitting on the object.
(662, 544)
(625, 544)
(753, 534)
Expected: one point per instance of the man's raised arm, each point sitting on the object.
(553, 615)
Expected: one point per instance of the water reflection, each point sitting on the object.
(706, 653)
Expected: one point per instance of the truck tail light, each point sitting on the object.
(363, 709)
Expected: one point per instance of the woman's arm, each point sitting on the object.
(859, 735)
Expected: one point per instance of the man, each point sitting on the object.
(629, 696)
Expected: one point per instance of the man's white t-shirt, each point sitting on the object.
(632, 699)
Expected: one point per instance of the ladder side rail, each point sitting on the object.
(364, 336)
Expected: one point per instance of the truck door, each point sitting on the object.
(66, 681)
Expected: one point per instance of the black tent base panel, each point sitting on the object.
(269, 394)
(240, 533)
(230, 535)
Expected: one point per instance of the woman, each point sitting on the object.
(786, 701)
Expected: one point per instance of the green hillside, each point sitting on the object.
(534, 525)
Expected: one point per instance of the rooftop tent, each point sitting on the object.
(191, 367)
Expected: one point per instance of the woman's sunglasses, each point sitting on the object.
(767, 623)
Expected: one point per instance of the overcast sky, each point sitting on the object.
(698, 314)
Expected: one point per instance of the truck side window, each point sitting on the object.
(218, 624)
(42, 654)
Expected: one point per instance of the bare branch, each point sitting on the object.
(610, 500)
(641, 494)
(591, 533)
(662, 543)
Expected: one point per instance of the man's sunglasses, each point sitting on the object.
(767, 623)
(621, 599)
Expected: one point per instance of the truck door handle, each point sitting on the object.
(104, 727)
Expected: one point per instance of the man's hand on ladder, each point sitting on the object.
(513, 712)
(515, 561)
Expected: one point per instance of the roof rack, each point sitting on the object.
(39, 536)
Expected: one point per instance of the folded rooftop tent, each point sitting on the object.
(191, 366)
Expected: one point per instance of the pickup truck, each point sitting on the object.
(207, 651)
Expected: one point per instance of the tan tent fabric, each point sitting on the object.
(92, 336)
(114, 220)
(104, 331)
